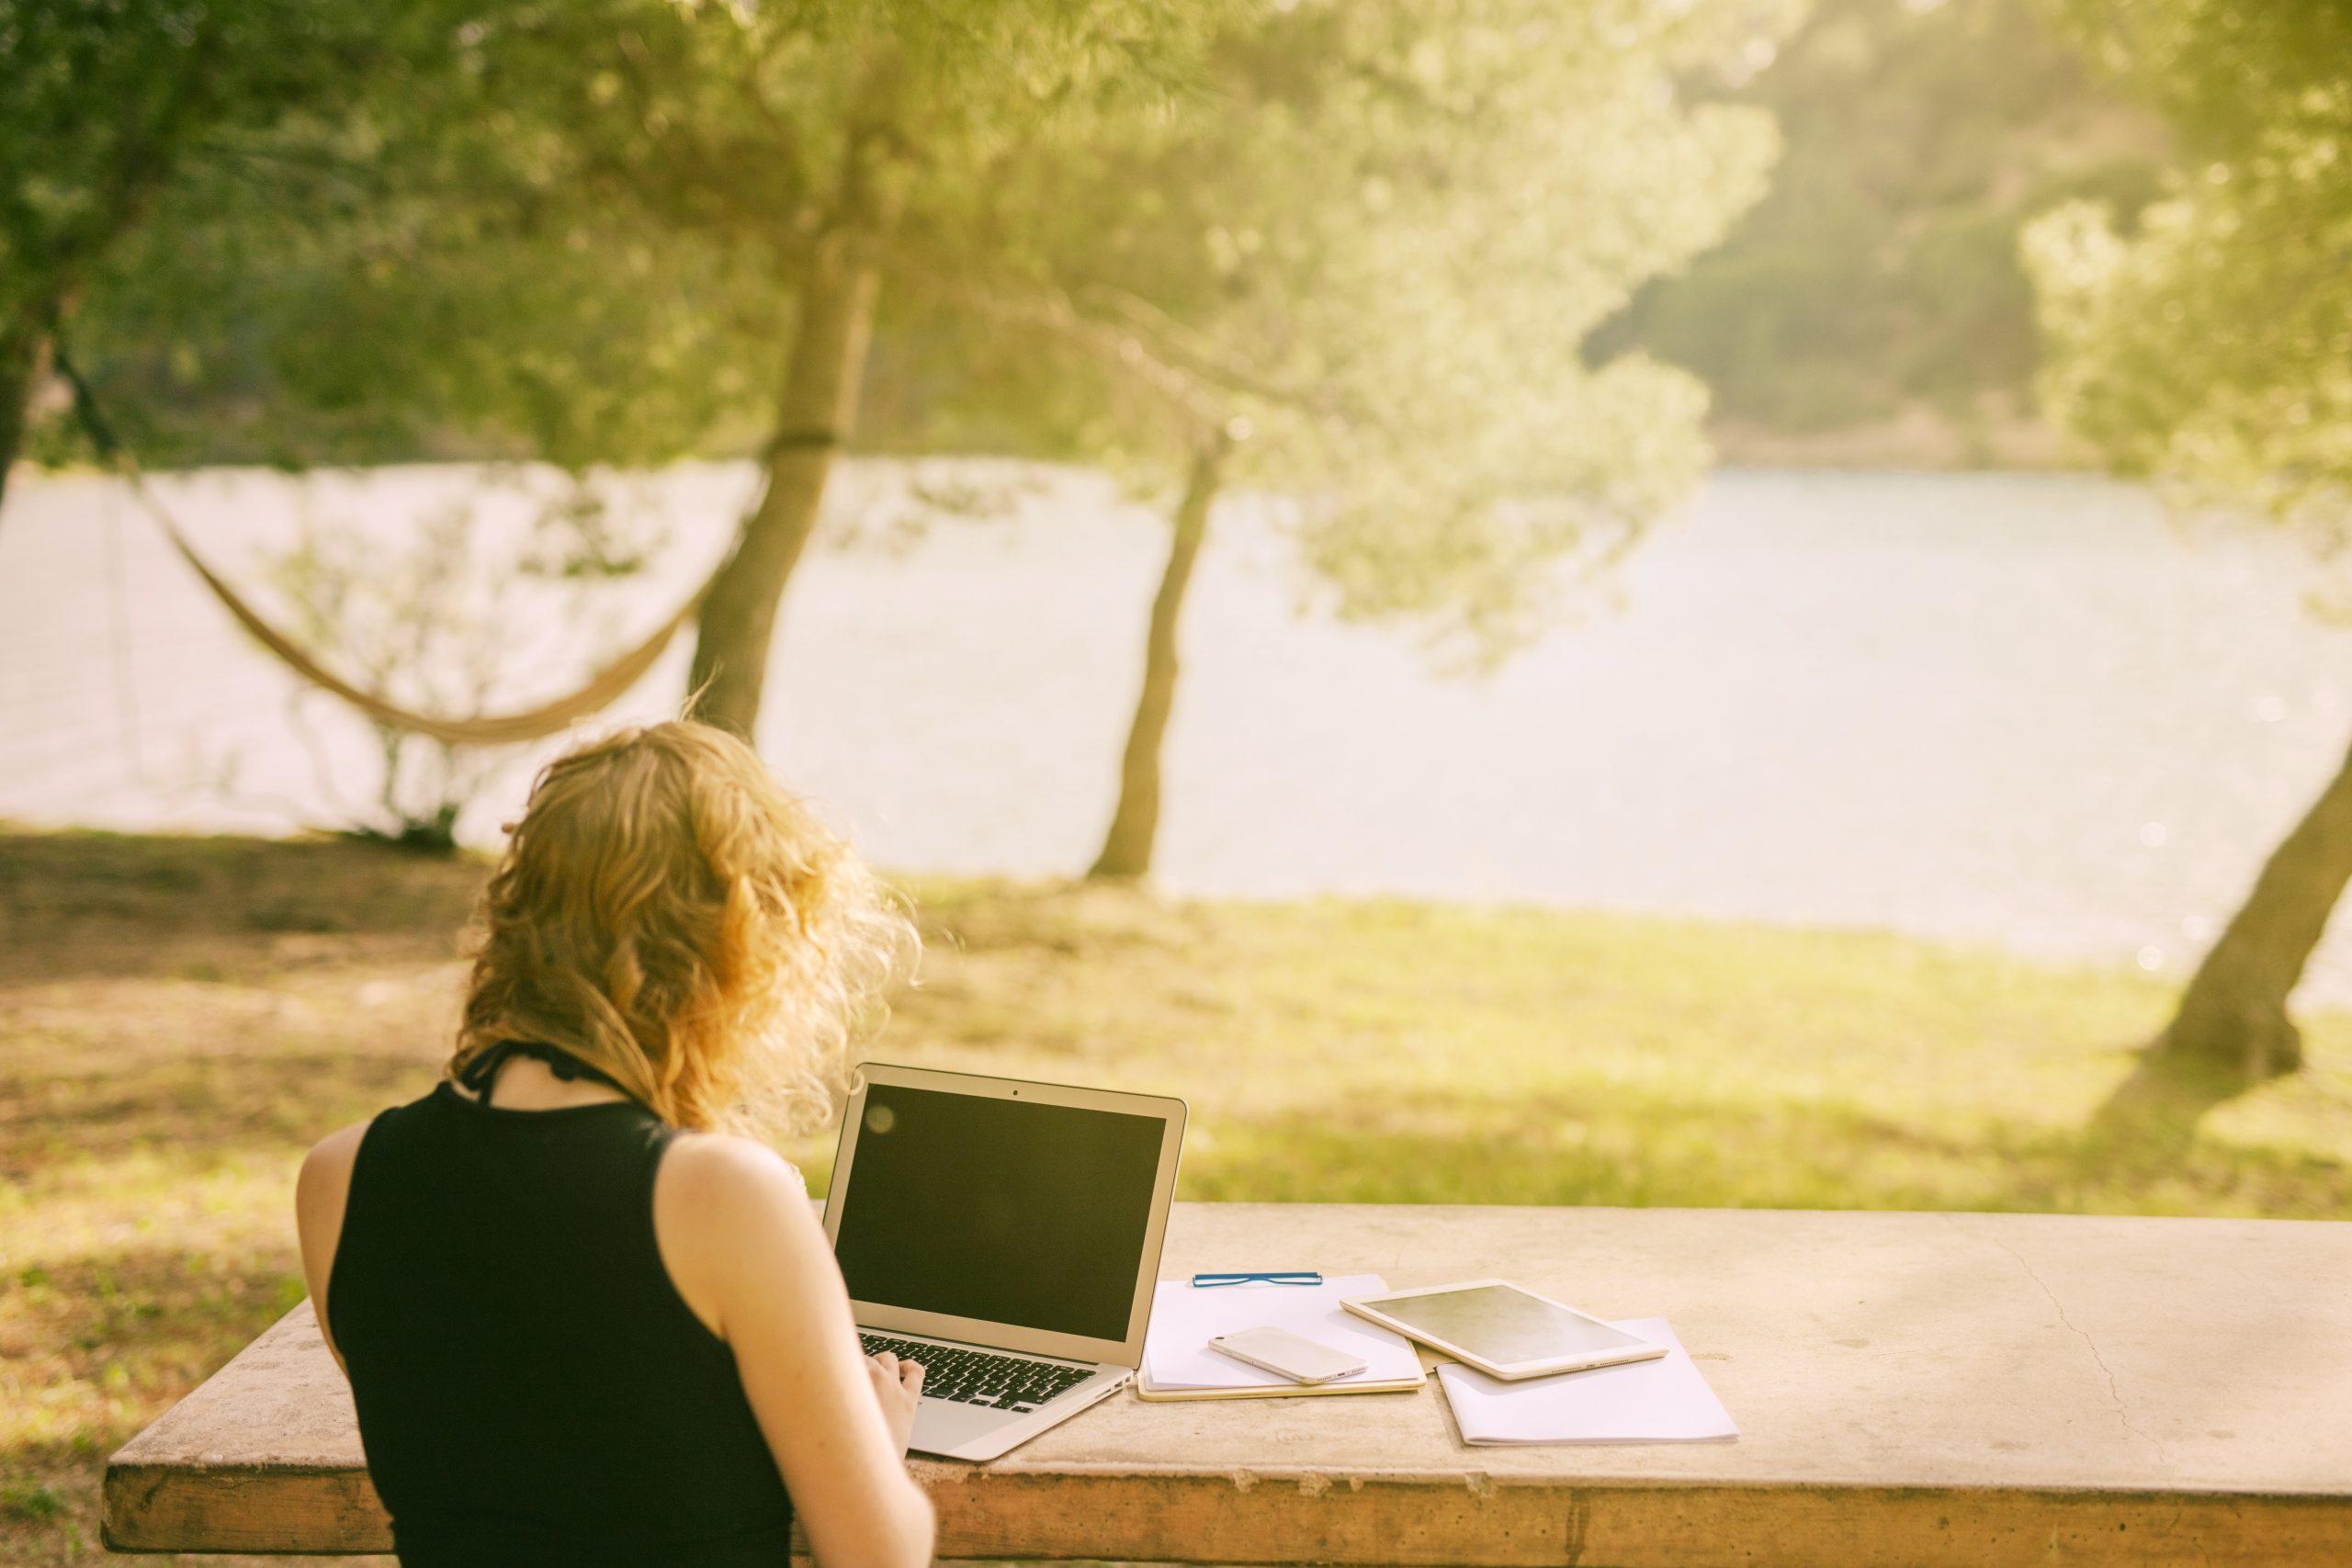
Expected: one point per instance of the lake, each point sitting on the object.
(2016, 710)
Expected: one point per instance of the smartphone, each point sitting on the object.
(1285, 1354)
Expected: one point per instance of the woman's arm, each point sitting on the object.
(735, 1231)
(320, 1193)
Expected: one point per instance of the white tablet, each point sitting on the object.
(1503, 1329)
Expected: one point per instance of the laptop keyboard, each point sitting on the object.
(980, 1377)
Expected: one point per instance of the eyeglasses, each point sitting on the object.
(1259, 1277)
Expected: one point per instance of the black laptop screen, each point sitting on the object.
(1004, 1210)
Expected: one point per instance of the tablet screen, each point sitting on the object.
(1504, 1324)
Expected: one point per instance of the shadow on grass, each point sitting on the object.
(120, 903)
(2152, 1116)
(1613, 1147)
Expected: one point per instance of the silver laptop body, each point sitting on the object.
(1005, 1234)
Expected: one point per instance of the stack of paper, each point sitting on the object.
(1663, 1401)
(1176, 1354)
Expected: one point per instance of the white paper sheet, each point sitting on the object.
(1185, 1317)
(1664, 1401)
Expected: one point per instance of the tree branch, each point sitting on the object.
(1179, 342)
(1202, 420)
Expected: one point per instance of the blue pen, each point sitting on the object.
(1259, 1277)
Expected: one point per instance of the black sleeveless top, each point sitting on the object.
(531, 1387)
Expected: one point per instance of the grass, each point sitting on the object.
(179, 1018)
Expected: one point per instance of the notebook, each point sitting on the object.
(1661, 1401)
(1178, 1363)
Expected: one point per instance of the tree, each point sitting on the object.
(2210, 349)
(415, 268)
(599, 229)
(1881, 275)
(581, 237)
(421, 271)
(1360, 271)
(799, 142)
(112, 105)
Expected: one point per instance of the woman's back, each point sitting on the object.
(595, 1326)
(531, 1387)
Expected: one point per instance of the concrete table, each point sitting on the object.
(1911, 1389)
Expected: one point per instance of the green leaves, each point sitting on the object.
(109, 101)
(572, 230)
(1377, 240)
(1879, 279)
(2211, 347)
(1373, 236)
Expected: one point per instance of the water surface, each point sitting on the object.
(2019, 710)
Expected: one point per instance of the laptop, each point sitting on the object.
(1007, 1236)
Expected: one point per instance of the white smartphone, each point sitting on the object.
(1288, 1355)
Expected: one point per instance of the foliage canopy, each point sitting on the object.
(1880, 273)
(2209, 345)
(1366, 256)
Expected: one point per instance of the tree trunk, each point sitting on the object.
(2233, 1015)
(24, 355)
(1126, 848)
(815, 416)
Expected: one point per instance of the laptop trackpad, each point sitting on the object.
(942, 1424)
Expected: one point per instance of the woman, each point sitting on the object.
(586, 1321)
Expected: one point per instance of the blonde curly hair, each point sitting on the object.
(669, 914)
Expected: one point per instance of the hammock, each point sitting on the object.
(601, 689)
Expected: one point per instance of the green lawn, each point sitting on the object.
(180, 1017)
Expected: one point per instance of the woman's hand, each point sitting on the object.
(897, 1384)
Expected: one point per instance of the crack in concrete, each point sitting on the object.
(2114, 1393)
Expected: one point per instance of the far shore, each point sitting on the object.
(1917, 440)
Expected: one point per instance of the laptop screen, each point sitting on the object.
(1002, 1210)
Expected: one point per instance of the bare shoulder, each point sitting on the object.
(719, 1173)
(325, 1179)
(731, 1217)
